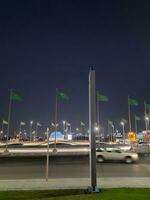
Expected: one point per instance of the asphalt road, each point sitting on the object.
(68, 167)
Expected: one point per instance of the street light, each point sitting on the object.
(31, 123)
(96, 128)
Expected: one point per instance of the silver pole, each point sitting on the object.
(36, 131)
(135, 125)
(64, 127)
(108, 133)
(47, 156)
(129, 113)
(98, 121)
(31, 130)
(123, 132)
(19, 131)
(9, 115)
(113, 132)
(145, 113)
(2, 130)
(92, 122)
(56, 111)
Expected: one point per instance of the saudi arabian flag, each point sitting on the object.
(15, 97)
(137, 118)
(5, 122)
(62, 96)
(124, 120)
(82, 124)
(38, 124)
(132, 102)
(102, 98)
(22, 123)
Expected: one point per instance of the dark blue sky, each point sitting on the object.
(48, 44)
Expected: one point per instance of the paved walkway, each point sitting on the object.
(76, 183)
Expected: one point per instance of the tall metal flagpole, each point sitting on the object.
(98, 121)
(145, 113)
(36, 130)
(2, 127)
(20, 130)
(92, 121)
(109, 137)
(135, 124)
(9, 115)
(56, 111)
(129, 114)
(47, 156)
(1, 133)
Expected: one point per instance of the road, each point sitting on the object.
(68, 167)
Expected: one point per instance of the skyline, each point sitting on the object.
(47, 45)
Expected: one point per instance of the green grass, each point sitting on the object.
(106, 194)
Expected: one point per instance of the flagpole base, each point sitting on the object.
(55, 150)
(93, 189)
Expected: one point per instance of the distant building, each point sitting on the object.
(58, 135)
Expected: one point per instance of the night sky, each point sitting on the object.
(50, 44)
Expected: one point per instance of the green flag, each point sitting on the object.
(15, 97)
(82, 124)
(5, 122)
(38, 124)
(22, 123)
(132, 102)
(62, 96)
(137, 118)
(124, 120)
(102, 98)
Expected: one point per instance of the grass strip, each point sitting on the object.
(105, 194)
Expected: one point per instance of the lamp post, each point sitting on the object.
(31, 123)
(123, 130)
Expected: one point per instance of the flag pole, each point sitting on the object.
(9, 115)
(2, 127)
(1, 131)
(98, 121)
(19, 131)
(129, 114)
(56, 111)
(36, 131)
(135, 124)
(145, 113)
(92, 121)
(108, 130)
(47, 156)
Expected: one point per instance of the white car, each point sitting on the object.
(115, 155)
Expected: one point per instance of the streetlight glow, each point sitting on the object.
(96, 128)
(147, 118)
(122, 123)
